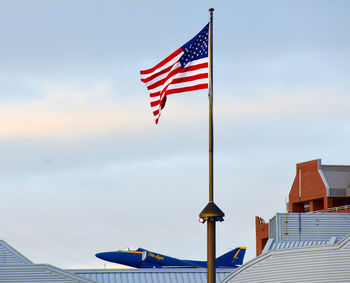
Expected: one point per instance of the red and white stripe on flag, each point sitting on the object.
(169, 77)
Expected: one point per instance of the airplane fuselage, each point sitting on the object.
(141, 258)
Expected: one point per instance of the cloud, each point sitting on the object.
(70, 113)
(66, 113)
(299, 104)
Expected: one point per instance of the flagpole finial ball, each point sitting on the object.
(211, 9)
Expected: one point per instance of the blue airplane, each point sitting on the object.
(141, 258)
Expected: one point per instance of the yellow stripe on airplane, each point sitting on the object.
(131, 252)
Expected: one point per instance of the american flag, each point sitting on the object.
(184, 70)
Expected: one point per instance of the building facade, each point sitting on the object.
(316, 188)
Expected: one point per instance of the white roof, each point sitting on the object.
(151, 275)
(304, 264)
(30, 273)
(8, 255)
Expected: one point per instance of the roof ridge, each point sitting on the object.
(332, 165)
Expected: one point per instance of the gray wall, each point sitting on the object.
(309, 226)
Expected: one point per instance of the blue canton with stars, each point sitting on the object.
(196, 48)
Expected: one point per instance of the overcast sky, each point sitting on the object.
(83, 167)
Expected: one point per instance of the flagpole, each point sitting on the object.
(211, 213)
(211, 271)
(210, 94)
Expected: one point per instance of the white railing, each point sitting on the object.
(333, 209)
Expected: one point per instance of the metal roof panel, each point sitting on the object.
(338, 179)
(313, 264)
(37, 273)
(147, 275)
(8, 255)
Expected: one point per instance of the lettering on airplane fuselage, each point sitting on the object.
(156, 256)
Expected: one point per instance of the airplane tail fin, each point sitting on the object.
(232, 258)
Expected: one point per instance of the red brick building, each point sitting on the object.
(316, 187)
(262, 234)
